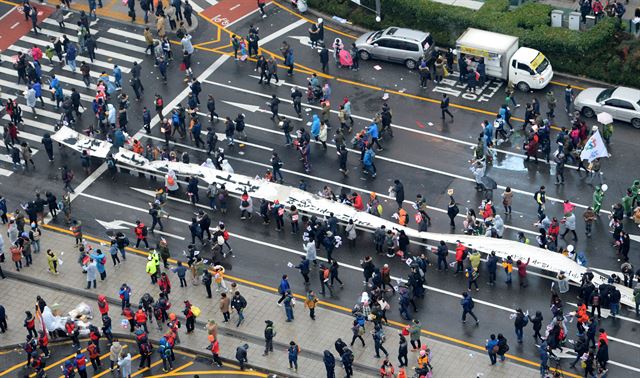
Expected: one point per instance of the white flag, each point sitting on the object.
(594, 148)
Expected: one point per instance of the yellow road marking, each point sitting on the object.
(140, 371)
(212, 372)
(323, 303)
(311, 21)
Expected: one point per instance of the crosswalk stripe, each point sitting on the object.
(79, 58)
(36, 124)
(47, 99)
(126, 34)
(197, 8)
(121, 45)
(5, 172)
(53, 33)
(99, 51)
(21, 87)
(68, 25)
(7, 58)
(27, 136)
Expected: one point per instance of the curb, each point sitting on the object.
(237, 334)
(359, 29)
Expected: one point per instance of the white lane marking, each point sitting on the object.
(28, 136)
(127, 34)
(8, 13)
(45, 88)
(99, 50)
(292, 251)
(154, 121)
(234, 7)
(549, 198)
(79, 58)
(281, 32)
(196, 7)
(67, 25)
(121, 45)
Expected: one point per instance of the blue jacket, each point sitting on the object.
(146, 117)
(293, 352)
(372, 130)
(99, 258)
(368, 157)
(37, 87)
(284, 286)
(288, 60)
(71, 52)
(125, 293)
(117, 73)
(466, 303)
(315, 126)
(490, 345)
(118, 140)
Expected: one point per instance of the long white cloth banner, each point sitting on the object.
(313, 204)
(80, 142)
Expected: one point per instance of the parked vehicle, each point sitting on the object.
(622, 103)
(526, 68)
(395, 44)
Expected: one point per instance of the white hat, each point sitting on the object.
(319, 20)
(570, 248)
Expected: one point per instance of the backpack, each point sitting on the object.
(103, 260)
(525, 321)
(144, 231)
(225, 235)
(471, 303)
(196, 310)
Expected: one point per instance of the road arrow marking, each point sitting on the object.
(281, 83)
(113, 225)
(122, 225)
(254, 108)
(307, 41)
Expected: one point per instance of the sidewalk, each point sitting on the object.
(312, 336)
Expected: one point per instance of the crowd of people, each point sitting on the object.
(316, 232)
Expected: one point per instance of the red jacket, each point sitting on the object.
(43, 340)
(103, 305)
(522, 268)
(141, 316)
(460, 252)
(215, 347)
(357, 203)
(138, 231)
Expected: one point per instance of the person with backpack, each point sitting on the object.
(467, 307)
(145, 349)
(521, 321)
(310, 302)
(378, 340)
(492, 349)
(141, 234)
(358, 330)
(522, 272)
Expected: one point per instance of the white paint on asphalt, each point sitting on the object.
(530, 194)
(281, 32)
(300, 253)
(123, 225)
(154, 121)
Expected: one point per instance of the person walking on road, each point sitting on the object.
(444, 106)
(329, 363)
(467, 307)
(310, 302)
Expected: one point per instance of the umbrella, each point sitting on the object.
(605, 118)
(488, 183)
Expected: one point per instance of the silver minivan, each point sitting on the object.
(397, 45)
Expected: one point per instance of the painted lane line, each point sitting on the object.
(197, 8)
(28, 136)
(530, 194)
(121, 45)
(23, 87)
(7, 58)
(67, 25)
(234, 7)
(292, 251)
(32, 123)
(281, 32)
(99, 51)
(154, 121)
(127, 34)
(335, 183)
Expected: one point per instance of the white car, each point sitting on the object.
(622, 103)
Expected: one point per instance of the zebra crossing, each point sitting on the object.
(114, 46)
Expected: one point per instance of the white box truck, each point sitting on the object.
(526, 68)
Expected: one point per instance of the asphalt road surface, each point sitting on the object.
(428, 155)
